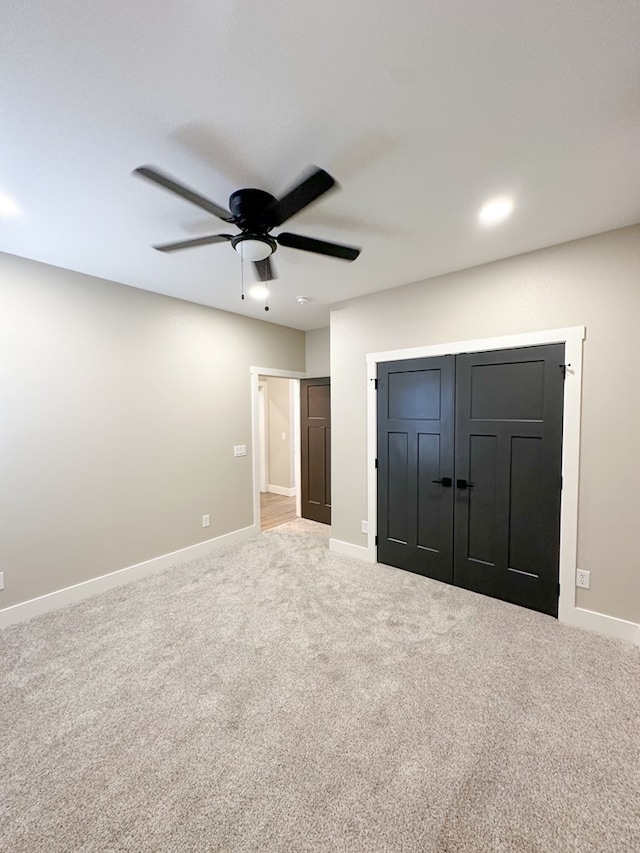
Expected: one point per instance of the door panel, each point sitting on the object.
(509, 448)
(414, 395)
(316, 465)
(315, 449)
(398, 487)
(482, 469)
(507, 392)
(318, 399)
(428, 494)
(415, 447)
(525, 547)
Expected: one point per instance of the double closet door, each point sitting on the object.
(469, 470)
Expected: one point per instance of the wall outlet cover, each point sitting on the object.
(206, 520)
(583, 578)
(364, 526)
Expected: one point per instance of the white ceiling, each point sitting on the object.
(421, 110)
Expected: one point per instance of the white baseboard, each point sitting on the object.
(71, 594)
(611, 626)
(350, 550)
(281, 490)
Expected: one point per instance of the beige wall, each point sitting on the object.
(119, 412)
(279, 423)
(318, 353)
(593, 282)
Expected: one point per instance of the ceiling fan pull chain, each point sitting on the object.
(242, 274)
(266, 296)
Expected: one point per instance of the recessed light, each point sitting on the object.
(495, 211)
(259, 291)
(8, 207)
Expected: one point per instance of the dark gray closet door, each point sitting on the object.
(415, 465)
(508, 474)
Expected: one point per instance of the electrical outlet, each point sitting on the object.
(284, 436)
(364, 526)
(206, 520)
(1, 580)
(583, 578)
(240, 450)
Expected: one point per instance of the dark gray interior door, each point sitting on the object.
(315, 449)
(415, 465)
(474, 500)
(509, 455)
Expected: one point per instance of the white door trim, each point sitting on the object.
(255, 373)
(263, 445)
(572, 338)
(297, 439)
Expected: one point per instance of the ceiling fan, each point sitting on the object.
(255, 213)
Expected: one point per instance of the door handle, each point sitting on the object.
(462, 484)
(444, 481)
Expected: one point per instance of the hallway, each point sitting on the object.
(276, 510)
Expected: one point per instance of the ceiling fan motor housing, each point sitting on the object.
(251, 209)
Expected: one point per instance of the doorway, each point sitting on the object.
(276, 470)
(469, 470)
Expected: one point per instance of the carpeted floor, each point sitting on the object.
(275, 697)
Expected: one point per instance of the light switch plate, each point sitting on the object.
(240, 450)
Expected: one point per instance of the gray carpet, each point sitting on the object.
(274, 697)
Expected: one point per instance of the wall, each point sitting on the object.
(119, 412)
(318, 353)
(593, 282)
(279, 424)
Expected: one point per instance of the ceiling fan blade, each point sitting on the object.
(190, 244)
(265, 269)
(309, 244)
(168, 183)
(316, 183)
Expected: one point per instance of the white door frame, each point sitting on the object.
(297, 439)
(256, 372)
(263, 445)
(572, 338)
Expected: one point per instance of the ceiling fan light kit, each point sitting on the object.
(252, 247)
(255, 213)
